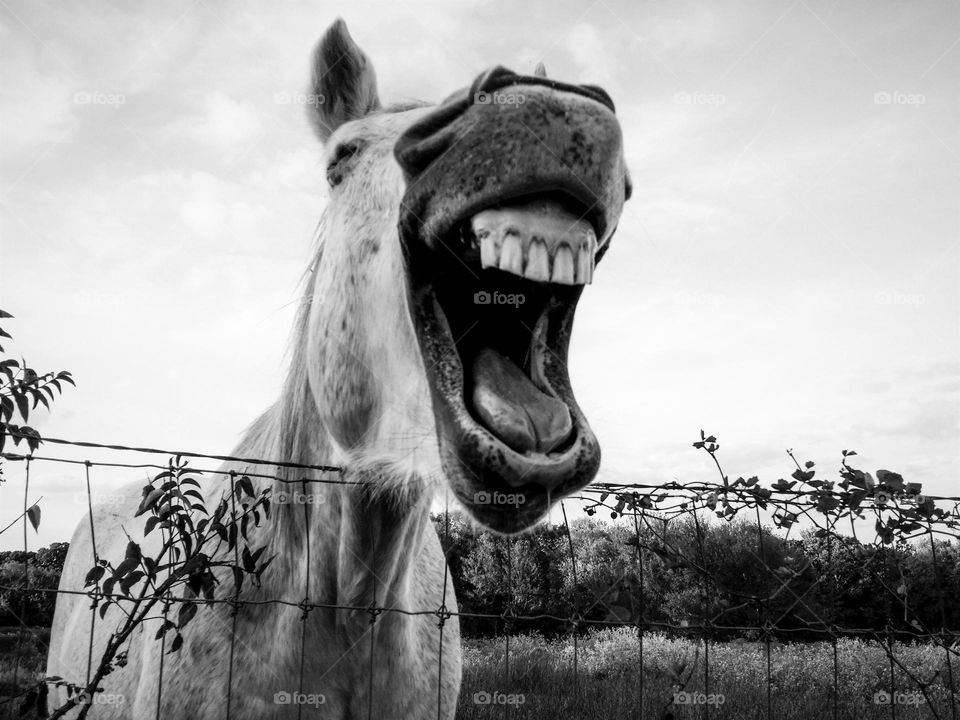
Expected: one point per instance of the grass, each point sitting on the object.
(22, 663)
(609, 683)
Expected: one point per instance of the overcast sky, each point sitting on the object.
(785, 275)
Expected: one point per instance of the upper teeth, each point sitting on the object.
(542, 246)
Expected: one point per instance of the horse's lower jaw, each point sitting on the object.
(504, 486)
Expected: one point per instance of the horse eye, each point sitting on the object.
(336, 169)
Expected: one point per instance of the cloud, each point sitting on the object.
(37, 104)
(225, 124)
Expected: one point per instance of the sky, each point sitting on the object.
(786, 274)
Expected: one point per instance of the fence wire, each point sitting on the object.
(660, 517)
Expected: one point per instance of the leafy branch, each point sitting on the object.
(196, 547)
(22, 390)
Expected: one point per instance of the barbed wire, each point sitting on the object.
(646, 505)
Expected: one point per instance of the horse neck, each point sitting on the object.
(362, 527)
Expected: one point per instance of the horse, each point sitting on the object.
(429, 356)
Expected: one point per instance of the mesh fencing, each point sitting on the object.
(855, 519)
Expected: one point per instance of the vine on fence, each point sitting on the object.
(195, 544)
(169, 585)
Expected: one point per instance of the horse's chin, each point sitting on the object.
(494, 341)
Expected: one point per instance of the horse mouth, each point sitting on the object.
(494, 316)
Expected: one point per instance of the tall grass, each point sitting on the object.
(612, 681)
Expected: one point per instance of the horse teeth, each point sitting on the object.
(538, 262)
(584, 265)
(489, 253)
(543, 245)
(511, 254)
(563, 266)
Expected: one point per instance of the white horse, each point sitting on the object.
(430, 353)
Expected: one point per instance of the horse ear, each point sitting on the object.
(540, 70)
(344, 83)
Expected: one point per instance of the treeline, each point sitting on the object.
(726, 576)
(32, 607)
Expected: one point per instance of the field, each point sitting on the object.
(608, 682)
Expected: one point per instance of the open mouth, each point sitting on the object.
(494, 318)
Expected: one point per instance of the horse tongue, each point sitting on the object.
(513, 408)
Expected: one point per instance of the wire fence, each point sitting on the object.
(854, 519)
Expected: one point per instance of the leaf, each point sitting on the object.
(126, 566)
(246, 485)
(130, 580)
(187, 611)
(3, 316)
(133, 551)
(150, 524)
(94, 575)
(166, 625)
(892, 480)
(33, 514)
(177, 643)
(22, 405)
(249, 563)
